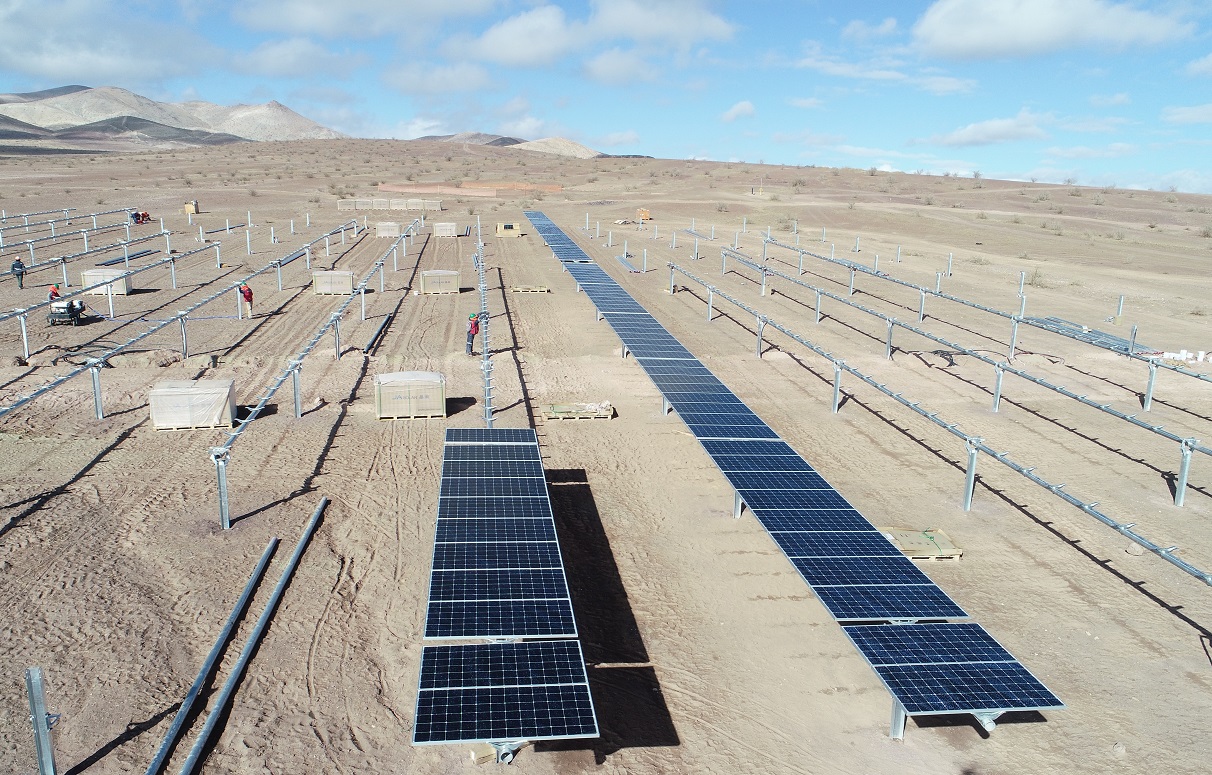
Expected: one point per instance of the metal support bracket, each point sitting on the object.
(899, 716)
(738, 505)
(507, 750)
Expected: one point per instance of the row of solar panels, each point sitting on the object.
(857, 574)
(497, 574)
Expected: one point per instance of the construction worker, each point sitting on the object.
(247, 294)
(473, 328)
(53, 293)
(18, 270)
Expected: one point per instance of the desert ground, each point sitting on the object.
(707, 652)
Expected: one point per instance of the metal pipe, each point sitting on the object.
(998, 373)
(42, 722)
(710, 301)
(254, 638)
(294, 374)
(98, 409)
(279, 268)
(888, 349)
(208, 665)
(219, 456)
(970, 476)
(1148, 402)
(24, 336)
(761, 327)
(921, 306)
(837, 385)
(184, 339)
(172, 272)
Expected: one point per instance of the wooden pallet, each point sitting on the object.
(528, 289)
(930, 544)
(412, 416)
(226, 427)
(576, 412)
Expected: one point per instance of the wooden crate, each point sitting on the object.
(407, 395)
(528, 289)
(187, 404)
(602, 411)
(439, 281)
(928, 544)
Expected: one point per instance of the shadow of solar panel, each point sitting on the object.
(953, 688)
(492, 468)
(858, 543)
(909, 644)
(498, 584)
(776, 480)
(815, 521)
(450, 619)
(704, 431)
(793, 499)
(852, 571)
(493, 508)
(502, 664)
(761, 463)
(495, 530)
(491, 436)
(492, 452)
(486, 556)
(748, 448)
(504, 713)
(500, 488)
(883, 602)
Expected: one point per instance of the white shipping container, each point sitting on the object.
(387, 229)
(120, 284)
(193, 403)
(439, 281)
(410, 394)
(334, 282)
(445, 230)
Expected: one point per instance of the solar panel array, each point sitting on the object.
(497, 574)
(864, 581)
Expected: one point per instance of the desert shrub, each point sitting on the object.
(981, 216)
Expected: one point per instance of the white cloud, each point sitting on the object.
(805, 102)
(1099, 124)
(989, 29)
(881, 72)
(1109, 100)
(1112, 151)
(619, 68)
(526, 127)
(424, 78)
(354, 18)
(1024, 126)
(682, 22)
(629, 137)
(77, 41)
(862, 31)
(945, 84)
(535, 38)
(1193, 114)
(420, 126)
(295, 58)
(742, 109)
(1202, 66)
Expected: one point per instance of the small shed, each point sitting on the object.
(193, 403)
(387, 229)
(409, 394)
(445, 230)
(332, 282)
(120, 284)
(509, 230)
(439, 281)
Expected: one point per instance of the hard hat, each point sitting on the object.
(473, 316)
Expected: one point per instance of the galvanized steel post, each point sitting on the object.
(998, 373)
(95, 367)
(336, 334)
(837, 385)
(671, 280)
(248, 241)
(710, 301)
(278, 267)
(1014, 320)
(852, 272)
(950, 256)
(172, 271)
(24, 335)
(888, 349)
(938, 282)
(184, 339)
(362, 294)
(921, 305)
(41, 721)
(294, 375)
(761, 327)
(109, 291)
(1184, 469)
(818, 307)
(239, 305)
(1147, 404)
(970, 444)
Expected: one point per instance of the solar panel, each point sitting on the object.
(504, 714)
(498, 488)
(491, 436)
(495, 530)
(853, 571)
(836, 543)
(493, 508)
(539, 618)
(908, 644)
(888, 602)
(793, 499)
(501, 664)
(826, 520)
(761, 463)
(969, 688)
(497, 554)
(492, 468)
(705, 431)
(764, 448)
(776, 480)
(492, 452)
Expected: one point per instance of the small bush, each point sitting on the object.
(981, 216)
(252, 192)
(721, 208)
(1205, 232)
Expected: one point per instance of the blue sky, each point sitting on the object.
(1103, 92)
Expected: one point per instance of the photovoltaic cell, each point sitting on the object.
(504, 713)
(793, 499)
(705, 431)
(717, 447)
(888, 602)
(493, 508)
(761, 463)
(498, 584)
(852, 571)
(495, 530)
(815, 520)
(856, 543)
(482, 556)
(454, 619)
(911, 644)
(491, 436)
(776, 480)
(501, 488)
(492, 468)
(955, 688)
(502, 664)
(492, 452)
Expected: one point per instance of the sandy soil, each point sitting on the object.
(708, 653)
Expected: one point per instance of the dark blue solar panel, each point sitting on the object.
(704, 431)
(498, 584)
(448, 619)
(692, 399)
(493, 508)
(849, 571)
(908, 644)
(495, 530)
(715, 447)
(952, 688)
(761, 463)
(884, 602)
(502, 664)
(492, 452)
(500, 488)
(793, 499)
(504, 713)
(776, 480)
(857, 543)
(487, 556)
(727, 415)
(491, 436)
(817, 520)
(491, 468)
